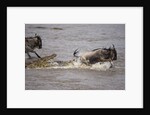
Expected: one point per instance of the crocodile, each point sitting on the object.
(41, 63)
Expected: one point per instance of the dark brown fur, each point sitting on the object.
(98, 55)
(31, 43)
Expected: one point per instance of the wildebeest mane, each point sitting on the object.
(100, 48)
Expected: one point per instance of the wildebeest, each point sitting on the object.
(31, 43)
(98, 55)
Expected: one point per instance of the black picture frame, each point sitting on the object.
(104, 3)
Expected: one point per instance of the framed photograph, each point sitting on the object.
(75, 57)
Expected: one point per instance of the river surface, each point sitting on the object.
(63, 39)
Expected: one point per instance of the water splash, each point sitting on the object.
(101, 66)
(48, 63)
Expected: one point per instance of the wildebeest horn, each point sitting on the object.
(75, 52)
(113, 45)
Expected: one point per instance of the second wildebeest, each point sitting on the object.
(97, 55)
(31, 43)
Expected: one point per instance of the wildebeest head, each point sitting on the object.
(113, 53)
(38, 41)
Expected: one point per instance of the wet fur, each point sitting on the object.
(98, 55)
(31, 43)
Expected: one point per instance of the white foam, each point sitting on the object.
(77, 64)
(101, 66)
